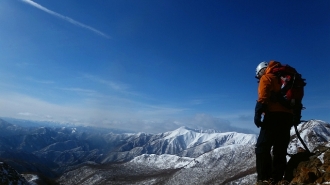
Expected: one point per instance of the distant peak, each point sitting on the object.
(208, 131)
(184, 128)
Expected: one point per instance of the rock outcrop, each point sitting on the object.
(316, 170)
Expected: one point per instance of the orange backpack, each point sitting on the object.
(293, 84)
(292, 90)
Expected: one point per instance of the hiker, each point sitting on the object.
(275, 122)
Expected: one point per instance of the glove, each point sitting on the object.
(259, 109)
(257, 120)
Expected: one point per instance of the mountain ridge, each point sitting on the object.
(181, 156)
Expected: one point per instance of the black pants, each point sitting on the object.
(275, 133)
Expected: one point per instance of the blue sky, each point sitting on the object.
(153, 66)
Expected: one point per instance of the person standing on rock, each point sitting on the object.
(275, 121)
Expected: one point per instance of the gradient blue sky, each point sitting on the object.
(152, 66)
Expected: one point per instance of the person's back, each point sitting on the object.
(269, 85)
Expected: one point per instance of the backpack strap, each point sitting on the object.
(300, 139)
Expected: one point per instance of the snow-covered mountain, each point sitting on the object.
(182, 156)
(313, 132)
(183, 142)
(199, 158)
(228, 158)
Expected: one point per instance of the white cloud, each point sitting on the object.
(79, 90)
(68, 19)
(197, 102)
(24, 113)
(106, 112)
(111, 111)
(39, 81)
(113, 85)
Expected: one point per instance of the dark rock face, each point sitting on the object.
(316, 170)
(10, 176)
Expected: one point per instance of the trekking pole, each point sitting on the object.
(300, 139)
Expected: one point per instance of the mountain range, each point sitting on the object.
(78, 155)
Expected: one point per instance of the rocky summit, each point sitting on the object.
(315, 170)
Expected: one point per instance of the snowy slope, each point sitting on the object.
(313, 132)
(187, 156)
(217, 166)
(193, 138)
(164, 161)
(196, 143)
(181, 156)
(183, 142)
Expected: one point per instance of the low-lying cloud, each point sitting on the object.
(142, 118)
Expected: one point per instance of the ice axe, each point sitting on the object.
(300, 139)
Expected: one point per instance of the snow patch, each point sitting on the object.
(164, 161)
(321, 158)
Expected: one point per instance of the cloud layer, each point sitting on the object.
(145, 118)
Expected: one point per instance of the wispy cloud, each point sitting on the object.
(79, 90)
(39, 81)
(24, 114)
(32, 3)
(196, 102)
(113, 85)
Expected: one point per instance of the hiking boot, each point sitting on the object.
(272, 182)
(283, 182)
(260, 182)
